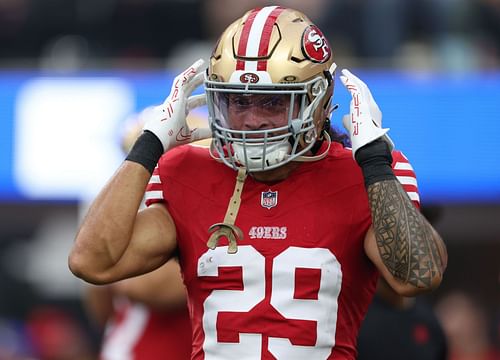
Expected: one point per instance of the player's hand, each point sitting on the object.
(364, 121)
(168, 120)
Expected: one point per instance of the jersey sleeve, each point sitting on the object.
(154, 190)
(406, 176)
(171, 162)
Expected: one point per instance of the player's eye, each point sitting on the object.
(240, 101)
(273, 101)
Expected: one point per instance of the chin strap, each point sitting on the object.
(227, 228)
(211, 152)
(305, 158)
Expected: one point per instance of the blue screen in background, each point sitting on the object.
(9, 84)
(448, 125)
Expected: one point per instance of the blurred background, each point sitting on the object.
(73, 73)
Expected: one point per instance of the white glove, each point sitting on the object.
(364, 122)
(168, 120)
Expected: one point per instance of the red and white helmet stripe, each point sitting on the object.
(255, 38)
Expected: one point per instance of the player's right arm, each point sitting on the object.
(115, 241)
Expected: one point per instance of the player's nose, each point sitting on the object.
(254, 121)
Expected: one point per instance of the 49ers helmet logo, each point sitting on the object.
(249, 78)
(315, 46)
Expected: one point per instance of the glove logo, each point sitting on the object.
(180, 137)
(315, 46)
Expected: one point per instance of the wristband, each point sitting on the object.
(375, 160)
(146, 151)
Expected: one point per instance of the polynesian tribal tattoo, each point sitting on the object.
(404, 238)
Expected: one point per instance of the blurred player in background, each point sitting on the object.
(144, 317)
(398, 327)
(299, 227)
(466, 325)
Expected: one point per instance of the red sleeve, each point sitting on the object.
(170, 163)
(154, 190)
(406, 176)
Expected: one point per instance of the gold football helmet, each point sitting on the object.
(269, 87)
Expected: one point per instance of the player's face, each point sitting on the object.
(259, 111)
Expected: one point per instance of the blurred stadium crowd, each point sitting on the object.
(432, 33)
(71, 35)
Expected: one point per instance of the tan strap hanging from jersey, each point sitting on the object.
(227, 228)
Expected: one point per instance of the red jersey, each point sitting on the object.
(137, 332)
(300, 283)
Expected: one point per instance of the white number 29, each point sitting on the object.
(322, 310)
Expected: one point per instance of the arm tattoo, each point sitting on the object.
(405, 239)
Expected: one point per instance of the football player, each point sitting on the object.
(281, 231)
(141, 318)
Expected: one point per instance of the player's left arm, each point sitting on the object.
(404, 246)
